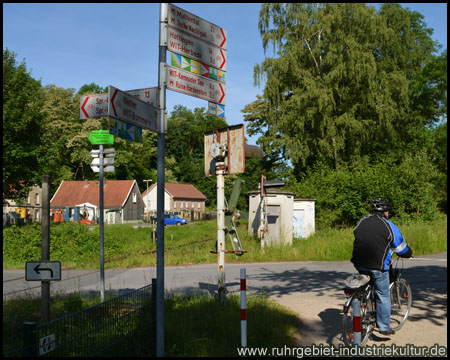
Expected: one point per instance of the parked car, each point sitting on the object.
(171, 219)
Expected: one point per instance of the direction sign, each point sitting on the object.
(106, 153)
(127, 108)
(148, 95)
(124, 130)
(106, 161)
(216, 109)
(195, 85)
(196, 26)
(196, 67)
(96, 169)
(101, 137)
(189, 46)
(42, 270)
(95, 106)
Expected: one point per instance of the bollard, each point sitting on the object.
(356, 322)
(243, 309)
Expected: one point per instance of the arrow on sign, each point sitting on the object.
(37, 270)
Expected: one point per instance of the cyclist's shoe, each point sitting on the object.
(387, 332)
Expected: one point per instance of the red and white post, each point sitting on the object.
(356, 322)
(243, 309)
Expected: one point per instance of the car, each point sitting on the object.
(170, 219)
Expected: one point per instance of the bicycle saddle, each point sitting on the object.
(355, 281)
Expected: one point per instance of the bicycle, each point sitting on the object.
(361, 289)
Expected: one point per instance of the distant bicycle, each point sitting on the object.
(359, 287)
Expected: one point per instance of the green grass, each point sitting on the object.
(194, 326)
(128, 246)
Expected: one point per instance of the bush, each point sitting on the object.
(344, 195)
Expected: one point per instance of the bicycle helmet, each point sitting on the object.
(381, 205)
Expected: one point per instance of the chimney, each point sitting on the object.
(86, 183)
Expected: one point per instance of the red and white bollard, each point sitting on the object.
(356, 322)
(243, 309)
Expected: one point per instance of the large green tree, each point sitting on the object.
(22, 127)
(347, 85)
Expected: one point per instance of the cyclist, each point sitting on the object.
(376, 238)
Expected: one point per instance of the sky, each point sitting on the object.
(70, 45)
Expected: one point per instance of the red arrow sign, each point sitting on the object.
(224, 60)
(83, 109)
(224, 38)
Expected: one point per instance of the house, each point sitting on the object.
(76, 200)
(279, 207)
(28, 209)
(180, 199)
(287, 216)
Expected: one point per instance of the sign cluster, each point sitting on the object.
(198, 59)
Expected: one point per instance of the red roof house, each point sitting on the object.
(122, 200)
(178, 198)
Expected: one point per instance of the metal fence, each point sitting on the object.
(93, 331)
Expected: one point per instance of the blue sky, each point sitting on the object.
(70, 45)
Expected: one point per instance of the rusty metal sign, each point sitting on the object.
(228, 143)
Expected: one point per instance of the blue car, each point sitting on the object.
(171, 219)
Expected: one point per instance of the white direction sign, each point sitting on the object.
(195, 85)
(127, 108)
(106, 161)
(96, 169)
(148, 95)
(42, 270)
(106, 152)
(190, 47)
(95, 106)
(196, 26)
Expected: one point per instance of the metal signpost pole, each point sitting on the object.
(161, 182)
(102, 253)
(220, 167)
(45, 252)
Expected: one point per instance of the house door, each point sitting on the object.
(299, 224)
(273, 224)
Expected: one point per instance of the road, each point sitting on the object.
(312, 289)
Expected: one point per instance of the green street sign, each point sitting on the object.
(101, 137)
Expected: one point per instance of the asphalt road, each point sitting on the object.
(312, 289)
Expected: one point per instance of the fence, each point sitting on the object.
(93, 331)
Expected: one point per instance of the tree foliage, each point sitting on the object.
(349, 90)
(22, 126)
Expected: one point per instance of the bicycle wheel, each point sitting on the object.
(367, 323)
(401, 301)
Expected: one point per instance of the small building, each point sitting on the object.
(28, 209)
(280, 205)
(304, 217)
(287, 216)
(181, 199)
(76, 200)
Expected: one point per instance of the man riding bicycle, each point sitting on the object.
(376, 238)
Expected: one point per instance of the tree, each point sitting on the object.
(339, 90)
(22, 127)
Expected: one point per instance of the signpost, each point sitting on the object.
(97, 137)
(180, 43)
(195, 85)
(216, 109)
(197, 27)
(128, 108)
(42, 270)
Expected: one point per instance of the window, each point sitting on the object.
(199, 204)
(193, 204)
(181, 204)
(174, 204)
(134, 198)
(36, 198)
